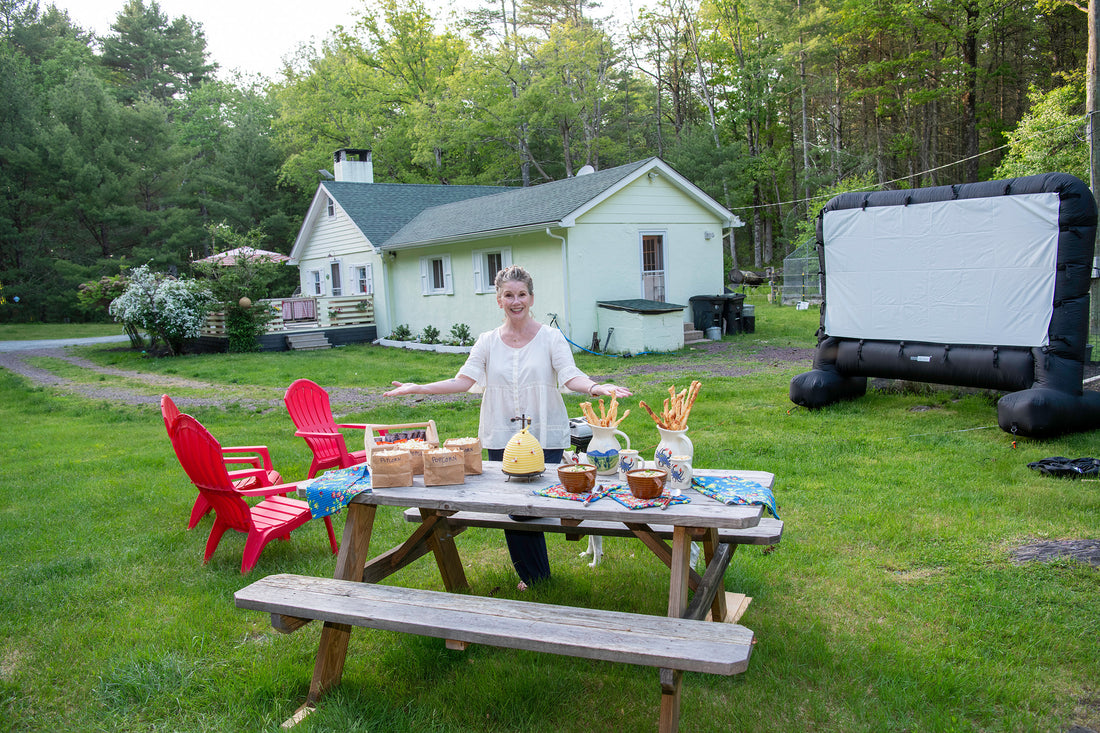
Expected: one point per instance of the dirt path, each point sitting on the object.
(712, 359)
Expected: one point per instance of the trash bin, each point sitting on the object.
(748, 318)
(732, 305)
(706, 311)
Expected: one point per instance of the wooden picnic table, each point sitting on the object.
(493, 492)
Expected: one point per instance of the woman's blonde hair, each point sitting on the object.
(514, 273)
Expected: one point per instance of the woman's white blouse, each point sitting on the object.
(523, 381)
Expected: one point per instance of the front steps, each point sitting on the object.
(307, 341)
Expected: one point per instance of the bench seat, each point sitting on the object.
(614, 636)
(768, 532)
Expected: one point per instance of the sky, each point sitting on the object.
(250, 36)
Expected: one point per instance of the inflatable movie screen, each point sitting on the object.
(979, 285)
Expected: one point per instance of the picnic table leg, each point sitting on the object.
(442, 542)
(671, 679)
(349, 566)
(718, 609)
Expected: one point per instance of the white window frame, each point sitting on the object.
(336, 275)
(315, 283)
(483, 281)
(362, 285)
(427, 272)
(330, 206)
(663, 272)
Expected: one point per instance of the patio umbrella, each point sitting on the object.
(231, 256)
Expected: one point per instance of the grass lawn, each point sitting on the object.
(892, 604)
(32, 331)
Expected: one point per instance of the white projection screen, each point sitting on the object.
(944, 272)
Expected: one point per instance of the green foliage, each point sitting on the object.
(430, 335)
(401, 333)
(460, 334)
(244, 325)
(153, 56)
(1049, 136)
(169, 309)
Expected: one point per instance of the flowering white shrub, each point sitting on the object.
(170, 309)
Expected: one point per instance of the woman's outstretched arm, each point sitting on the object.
(454, 385)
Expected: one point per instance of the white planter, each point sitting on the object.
(417, 346)
(449, 349)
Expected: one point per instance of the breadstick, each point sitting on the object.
(651, 414)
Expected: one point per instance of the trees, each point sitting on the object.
(152, 56)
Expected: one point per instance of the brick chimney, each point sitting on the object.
(353, 165)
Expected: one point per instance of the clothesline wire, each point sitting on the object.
(1078, 121)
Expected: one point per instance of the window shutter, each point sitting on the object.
(370, 279)
(479, 283)
(506, 257)
(448, 285)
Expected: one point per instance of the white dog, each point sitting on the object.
(595, 549)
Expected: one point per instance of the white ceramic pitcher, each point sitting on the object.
(603, 450)
(673, 443)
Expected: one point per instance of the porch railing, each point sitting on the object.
(295, 314)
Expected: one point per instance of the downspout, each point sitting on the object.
(564, 280)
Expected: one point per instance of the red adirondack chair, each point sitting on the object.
(308, 405)
(273, 518)
(261, 473)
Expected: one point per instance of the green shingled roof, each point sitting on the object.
(381, 209)
(509, 209)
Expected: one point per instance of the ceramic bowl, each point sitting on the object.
(577, 478)
(646, 483)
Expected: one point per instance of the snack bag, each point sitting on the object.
(471, 452)
(389, 468)
(443, 466)
(416, 450)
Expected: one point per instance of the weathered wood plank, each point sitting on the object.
(657, 641)
(768, 532)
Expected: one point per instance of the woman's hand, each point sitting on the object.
(402, 388)
(610, 390)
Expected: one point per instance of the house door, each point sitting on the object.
(337, 284)
(653, 267)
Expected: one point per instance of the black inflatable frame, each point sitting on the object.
(1044, 381)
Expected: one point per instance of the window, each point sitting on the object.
(363, 279)
(337, 286)
(653, 267)
(487, 263)
(331, 206)
(435, 275)
(315, 285)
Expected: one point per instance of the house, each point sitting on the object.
(426, 255)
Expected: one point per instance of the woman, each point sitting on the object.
(520, 364)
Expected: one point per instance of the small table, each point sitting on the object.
(494, 492)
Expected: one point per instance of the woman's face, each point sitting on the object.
(515, 300)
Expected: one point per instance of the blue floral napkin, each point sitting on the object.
(621, 493)
(733, 490)
(331, 491)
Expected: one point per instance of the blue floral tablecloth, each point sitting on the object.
(733, 490)
(331, 491)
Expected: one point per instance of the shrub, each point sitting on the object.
(401, 333)
(460, 333)
(430, 335)
(170, 309)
